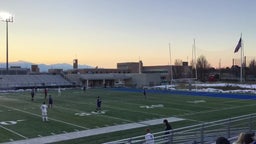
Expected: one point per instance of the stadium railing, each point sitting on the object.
(205, 133)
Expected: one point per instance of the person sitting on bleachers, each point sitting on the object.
(222, 140)
(149, 137)
(249, 138)
(240, 139)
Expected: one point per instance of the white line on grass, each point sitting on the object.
(92, 132)
(111, 107)
(106, 106)
(13, 132)
(76, 110)
(40, 117)
(215, 110)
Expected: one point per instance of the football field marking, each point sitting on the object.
(215, 110)
(37, 115)
(14, 132)
(92, 132)
(10, 122)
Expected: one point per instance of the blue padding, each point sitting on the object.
(191, 93)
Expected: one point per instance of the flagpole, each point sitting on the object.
(241, 68)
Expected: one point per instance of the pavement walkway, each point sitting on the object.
(91, 132)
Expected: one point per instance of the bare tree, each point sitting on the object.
(252, 67)
(202, 67)
(178, 62)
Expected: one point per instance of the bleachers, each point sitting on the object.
(23, 81)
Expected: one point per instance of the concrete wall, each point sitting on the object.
(140, 80)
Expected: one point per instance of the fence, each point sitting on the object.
(205, 133)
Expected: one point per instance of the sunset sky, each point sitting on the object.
(104, 32)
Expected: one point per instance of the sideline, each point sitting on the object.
(91, 132)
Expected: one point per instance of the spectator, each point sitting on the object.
(222, 140)
(167, 129)
(240, 139)
(249, 138)
(149, 138)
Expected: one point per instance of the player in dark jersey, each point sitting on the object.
(98, 108)
(50, 101)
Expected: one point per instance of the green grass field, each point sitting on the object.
(74, 111)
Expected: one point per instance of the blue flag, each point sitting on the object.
(238, 45)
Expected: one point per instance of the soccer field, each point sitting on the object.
(74, 111)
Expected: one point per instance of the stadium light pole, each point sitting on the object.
(6, 17)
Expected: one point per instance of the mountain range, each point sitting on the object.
(43, 67)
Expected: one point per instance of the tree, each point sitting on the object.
(202, 66)
(252, 67)
(178, 62)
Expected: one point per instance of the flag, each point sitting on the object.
(238, 45)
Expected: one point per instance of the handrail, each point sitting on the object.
(200, 133)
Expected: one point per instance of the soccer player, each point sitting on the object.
(32, 94)
(59, 91)
(84, 88)
(45, 93)
(98, 108)
(44, 112)
(50, 101)
(145, 93)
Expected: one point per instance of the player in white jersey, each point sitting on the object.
(59, 91)
(44, 111)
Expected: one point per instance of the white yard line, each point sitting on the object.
(91, 132)
(14, 132)
(40, 117)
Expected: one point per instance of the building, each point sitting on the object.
(35, 68)
(132, 74)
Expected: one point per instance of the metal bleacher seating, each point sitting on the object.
(28, 81)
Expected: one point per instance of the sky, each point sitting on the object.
(105, 32)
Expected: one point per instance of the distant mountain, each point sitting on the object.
(43, 67)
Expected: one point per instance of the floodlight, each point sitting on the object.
(6, 17)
